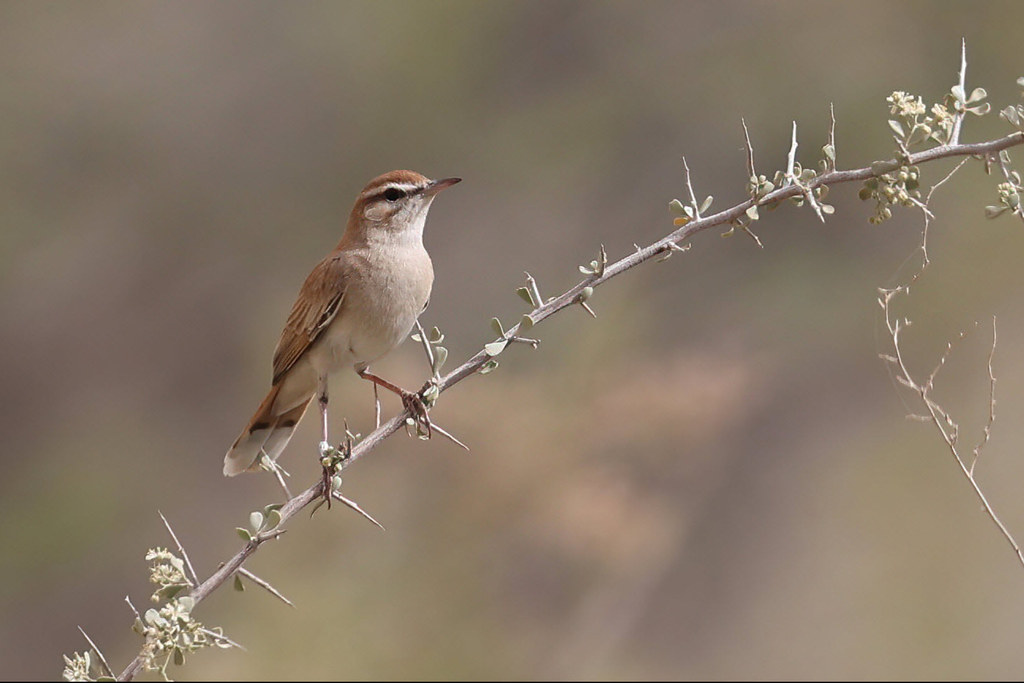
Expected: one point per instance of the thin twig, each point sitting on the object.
(181, 549)
(279, 472)
(987, 432)
(936, 414)
(426, 346)
(830, 162)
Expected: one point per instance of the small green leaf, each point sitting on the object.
(496, 326)
(896, 127)
(496, 347)
(244, 533)
(435, 335)
(256, 521)
(179, 658)
(752, 213)
(526, 323)
(488, 367)
(187, 603)
(830, 152)
(239, 586)
(416, 336)
(706, 204)
(440, 356)
(525, 295)
(586, 293)
(168, 592)
(273, 519)
(676, 207)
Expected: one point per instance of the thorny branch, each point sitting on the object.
(576, 295)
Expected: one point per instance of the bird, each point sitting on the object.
(356, 305)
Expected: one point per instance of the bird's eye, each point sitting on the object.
(393, 194)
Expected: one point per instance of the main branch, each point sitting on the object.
(578, 294)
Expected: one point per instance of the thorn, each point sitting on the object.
(791, 159)
(355, 506)
(103, 660)
(278, 472)
(265, 585)
(135, 611)
(689, 186)
(221, 637)
(449, 436)
(181, 549)
(750, 150)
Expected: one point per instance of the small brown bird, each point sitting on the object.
(359, 302)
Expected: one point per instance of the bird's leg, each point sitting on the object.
(412, 402)
(325, 446)
(321, 397)
(376, 407)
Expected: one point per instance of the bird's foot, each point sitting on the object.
(417, 408)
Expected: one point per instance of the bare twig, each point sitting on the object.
(987, 432)
(944, 423)
(426, 349)
(947, 428)
(830, 162)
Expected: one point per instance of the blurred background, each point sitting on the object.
(713, 479)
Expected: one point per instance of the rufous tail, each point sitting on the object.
(266, 435)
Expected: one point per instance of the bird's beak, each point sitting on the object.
(435, 186)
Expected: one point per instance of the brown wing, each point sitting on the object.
(319, 301)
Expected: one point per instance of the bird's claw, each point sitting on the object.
(418, 409)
